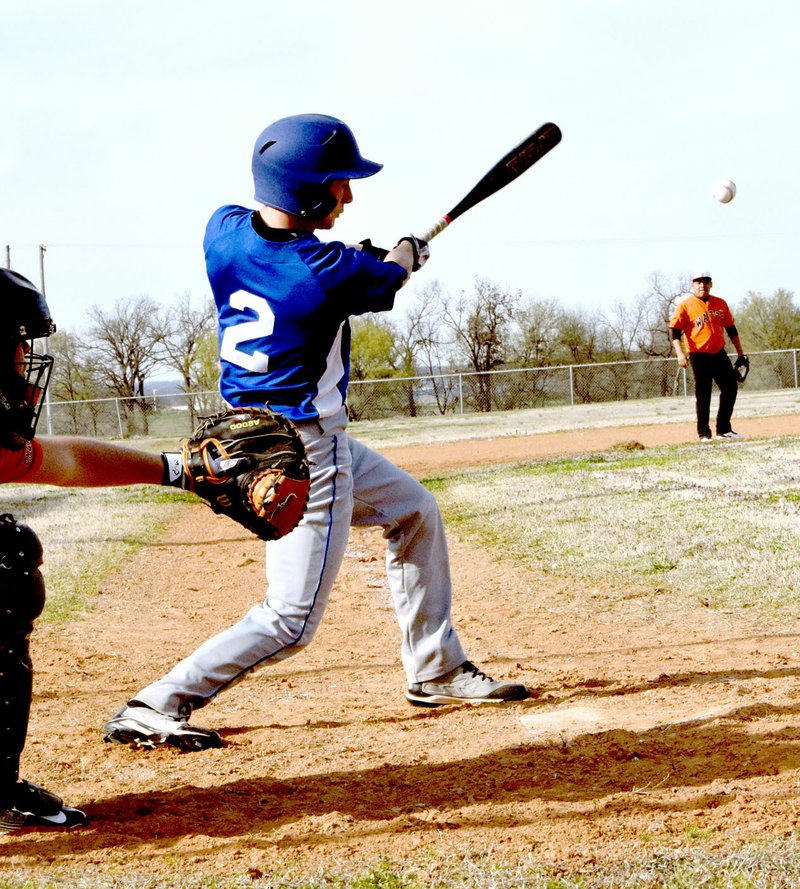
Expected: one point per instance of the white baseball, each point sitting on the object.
(723, 190)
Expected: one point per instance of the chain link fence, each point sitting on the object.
(147, 416)
(174, 416)
(514, 389)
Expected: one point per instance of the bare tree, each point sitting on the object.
(126, 346)
(206, 374)
(185, 335)
(536, 341)
(769, 322)
(621, 330)
(578, 341)
(480, 324)
(577, 336)
(656, 307)
(422, 346)
(74, 380)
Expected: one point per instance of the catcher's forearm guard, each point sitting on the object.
(249, 464)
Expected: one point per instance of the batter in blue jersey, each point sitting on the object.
(284, 298)
(285, 336)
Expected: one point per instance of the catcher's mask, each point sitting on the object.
(24, 373)
(296, 158)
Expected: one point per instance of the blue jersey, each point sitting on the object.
(283, 300)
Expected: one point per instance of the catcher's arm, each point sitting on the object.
(249, 464)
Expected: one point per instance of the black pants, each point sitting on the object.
(709, 369)
(22, 597)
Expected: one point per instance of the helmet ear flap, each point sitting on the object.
(317, 200)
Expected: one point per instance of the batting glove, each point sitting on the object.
(368, 247)
(422, 252)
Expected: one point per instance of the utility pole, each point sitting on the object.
(42, 249)
(8, 256)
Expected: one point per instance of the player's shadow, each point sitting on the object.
(604, 688)
(231, 536)
(369, 802)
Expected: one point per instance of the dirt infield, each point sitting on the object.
(646, 729)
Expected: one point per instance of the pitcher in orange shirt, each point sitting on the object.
(703, 320)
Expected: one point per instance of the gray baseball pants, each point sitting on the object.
(351, 485)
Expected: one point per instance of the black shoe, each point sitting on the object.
(33, 806)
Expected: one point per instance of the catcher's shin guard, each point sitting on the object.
(22, 596)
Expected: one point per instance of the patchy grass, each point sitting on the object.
(87, 533)
(775, 864)
(717, 525)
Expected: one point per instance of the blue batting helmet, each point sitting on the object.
(296, 157)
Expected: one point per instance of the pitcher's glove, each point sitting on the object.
(742, 368)
(249, 464)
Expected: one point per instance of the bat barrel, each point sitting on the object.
(506, 170)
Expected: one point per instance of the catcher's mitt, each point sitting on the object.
(742, 368)
(249, 464)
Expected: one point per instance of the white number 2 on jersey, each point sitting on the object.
(247, 331)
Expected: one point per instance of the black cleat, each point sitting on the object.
(32, 806)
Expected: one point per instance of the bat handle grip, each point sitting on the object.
(434, 230)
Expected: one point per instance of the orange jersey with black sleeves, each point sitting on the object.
(703, 323)
(18, 466)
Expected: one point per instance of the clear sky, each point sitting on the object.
(124, 125)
